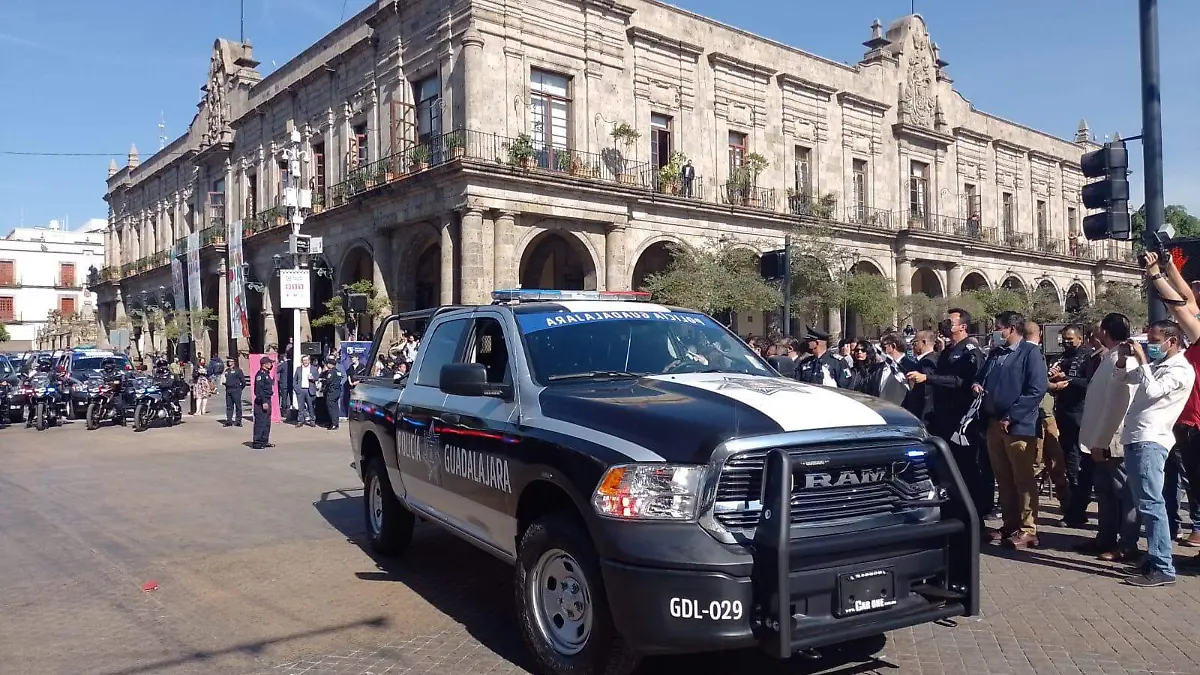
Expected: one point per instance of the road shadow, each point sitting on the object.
(476, 590)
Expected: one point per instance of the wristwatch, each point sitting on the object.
(1160, 275)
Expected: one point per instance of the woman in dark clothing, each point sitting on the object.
(868, 371)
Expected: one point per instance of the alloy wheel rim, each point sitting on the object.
(376, 505)
(561, 600)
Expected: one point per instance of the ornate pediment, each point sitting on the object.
(231, 72)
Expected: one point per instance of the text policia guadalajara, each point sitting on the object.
(477, 467)
(568, 318)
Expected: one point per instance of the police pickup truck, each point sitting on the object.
(657, 486)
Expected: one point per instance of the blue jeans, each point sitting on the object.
(1146, 464)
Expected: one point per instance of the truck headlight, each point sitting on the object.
(649, 492)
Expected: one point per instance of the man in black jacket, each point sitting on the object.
(823, 367)
(1068, 386)
(949, 397)
(235, 381)
(331, 388)
(919, 400)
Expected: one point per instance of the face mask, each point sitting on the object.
(1069, 349)
(946, 328)
(997, 337)
(1154, 352)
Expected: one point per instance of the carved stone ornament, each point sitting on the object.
(919, 100)
(214, 100)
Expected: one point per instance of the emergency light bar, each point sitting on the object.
(540, 295)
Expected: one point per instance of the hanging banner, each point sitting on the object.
(360, 349)
(294, 291)
(195, 302)
(239, 318)
(177, 288)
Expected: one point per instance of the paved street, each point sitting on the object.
(259, 570)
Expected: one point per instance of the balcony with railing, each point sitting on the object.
(110, 273)
(823, 207)
(878, 219)
(265, 220)
(668, 182)
(749, 196)
(213, 235)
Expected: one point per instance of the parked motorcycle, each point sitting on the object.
(151, 401)
(42, 395)
(100, 407)
(5, 401)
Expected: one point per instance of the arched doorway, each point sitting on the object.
(926, 282)
(1048, 292)
(1013, 283)
(974, 282)
(854, 325)
(654, 260)
(554, 261)
(427, 283)
(1077, 298)
(357, 265)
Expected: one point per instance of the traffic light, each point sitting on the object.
(771, 265)
(1111, 193)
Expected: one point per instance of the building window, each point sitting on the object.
(428, 93)
(549, 109)
(660, 140)
(971, 193)
(1072, 220)
(737, 150)
(803, 171)
(859, 183)
(66, 306)
(66, 275)
(251, 195)
(1042, 222)
(6, 308)
(1007, 212)
(8, 274)
(361, 144)
(918, 190)
(318, 164)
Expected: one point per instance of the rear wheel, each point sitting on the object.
(389, 522)
(561, 603)
(41, 416)
(141, 417)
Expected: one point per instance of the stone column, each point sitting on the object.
(473, 76)
(381, 258)
(834, 318)
(270, 330)
(904, 274)
(447, 249)
(954, 279)
(614, 258)
(504, 243)
(475, 268)
(223, 346)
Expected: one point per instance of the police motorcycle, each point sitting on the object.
(5, 400)
(104, 396)
(155, 397)
(43, 396)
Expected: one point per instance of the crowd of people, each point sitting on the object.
(1115, 419)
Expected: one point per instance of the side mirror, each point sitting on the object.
(470, 379)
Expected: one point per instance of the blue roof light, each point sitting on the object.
(544, 295)
(916, 452)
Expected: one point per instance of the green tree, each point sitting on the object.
(378, 305)
(1127, 299)
(718, 277)
(814, 287)
(1040, 305)
(920, 311)
(871, 297)
(3, 333)
(1185, 224)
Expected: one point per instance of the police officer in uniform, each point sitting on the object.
(1068, 385)
(331, 386)
(264, 384)
(234, 381)
(823, 366)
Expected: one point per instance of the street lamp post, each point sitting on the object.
(296, 201)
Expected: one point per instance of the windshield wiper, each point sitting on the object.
(592, 375)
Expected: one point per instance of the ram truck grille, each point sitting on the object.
(822, 494)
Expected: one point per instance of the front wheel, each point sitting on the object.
(389, 523)
(141, 417)
(94, 411)
(561, 604)
(41, 416)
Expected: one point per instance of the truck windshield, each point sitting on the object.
(564, 345)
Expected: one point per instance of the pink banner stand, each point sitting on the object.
(255, 364)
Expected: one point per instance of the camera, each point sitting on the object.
(1158, 241)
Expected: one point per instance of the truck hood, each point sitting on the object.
(683, 418)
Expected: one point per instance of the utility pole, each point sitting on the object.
(1152, 139)
(296, 284)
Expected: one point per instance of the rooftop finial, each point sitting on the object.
(112, 168)
(132, 160)
(1083, 134)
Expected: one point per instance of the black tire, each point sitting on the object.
(41, 416)
(18, 415)
(392, 532)
(92, 415)
(77, 412)
(141, 417)
(605, 652)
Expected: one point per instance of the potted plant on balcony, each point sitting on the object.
(420, 158)
(521, 153)
(670, 176)
(745, 177)
(626, 135)
(358, 182)
(825, 205)
(454, 143)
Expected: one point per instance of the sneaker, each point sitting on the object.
(1151, 579)
(1137, 567)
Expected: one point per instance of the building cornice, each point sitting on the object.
(720, 59)
(971, 134)
(650, 37)
(847, 97)
(1009, 145)
(822, 90)
(904, 130)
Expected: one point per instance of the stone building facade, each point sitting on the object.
(453, 150)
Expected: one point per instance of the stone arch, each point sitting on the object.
(427, 276)
(926, 281)
(356, 264)
(974, 281)
(557, 259)
(1013, 282)
(1049, 287)
(578, 241)
(867, 266)
(1077, 298)
(652, 257)
(853, 325)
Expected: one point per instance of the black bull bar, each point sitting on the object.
(956, 534)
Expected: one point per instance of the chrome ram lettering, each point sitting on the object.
(477, 467)
(844, 478)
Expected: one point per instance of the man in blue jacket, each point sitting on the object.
(1013, 382)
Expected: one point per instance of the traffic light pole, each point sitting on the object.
(1152, 157)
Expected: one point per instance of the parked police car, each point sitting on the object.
(657, 486)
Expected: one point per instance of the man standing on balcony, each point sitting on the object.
(688, 174)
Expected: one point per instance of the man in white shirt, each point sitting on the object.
(305, 379)
(1104, 407)
(1164, 381)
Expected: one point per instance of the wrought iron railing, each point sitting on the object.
(870, 217)
(110, 273)
(671, 183)
(212, 236)
(265, 220)
(804, 204)
(127, 270)
(1022, 240)
(1050, 246)
(740, 194)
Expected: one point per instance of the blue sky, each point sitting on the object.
(82, 76)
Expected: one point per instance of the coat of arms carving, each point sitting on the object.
(919, 99)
